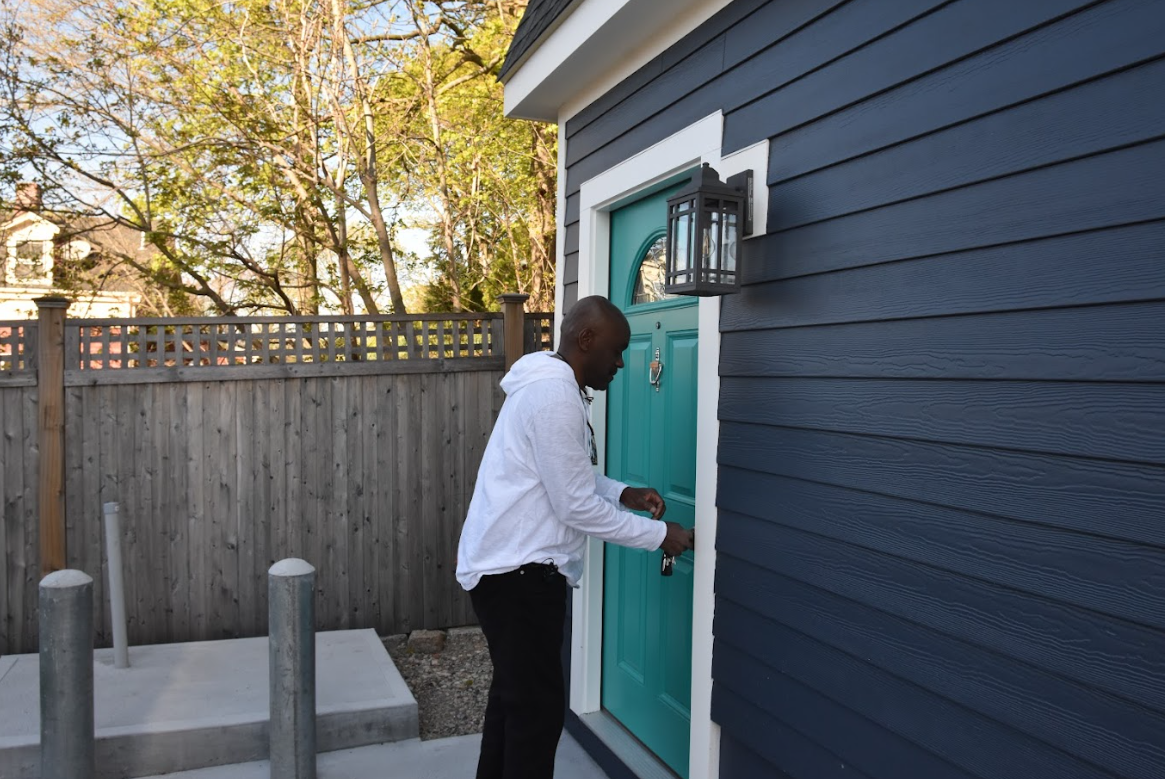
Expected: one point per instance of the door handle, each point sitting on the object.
(655, 371)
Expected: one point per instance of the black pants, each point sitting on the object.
(522, 615)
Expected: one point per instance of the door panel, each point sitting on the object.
(651, 441)
(632, 635)
(680, 411)
(635, 443)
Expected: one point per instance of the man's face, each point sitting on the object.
(604, 357)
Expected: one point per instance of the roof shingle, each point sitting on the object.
(539, 17)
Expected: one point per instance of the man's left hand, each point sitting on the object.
(643, 499)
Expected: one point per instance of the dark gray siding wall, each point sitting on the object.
(942, 459)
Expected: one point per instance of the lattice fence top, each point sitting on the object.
(18, 346)
(93, 344)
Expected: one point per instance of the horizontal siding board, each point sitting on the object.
(727, 19)
(889, 727)
(684, 112)
(773, 25)
(840, 729)
(570, 267)
(1106, 731)
(838, 28)
(570, 237)
(698, 67)
(1118, 265)
(1113, 739)
(571, 210)
(787, 52)
(1102, 39)
(1118, 657)
(1105, 190)
(775, 741)
(1100, 116)
(687, 109)
(1121, 343)
(628, 86)
(1063, 492)
(954, 31)
(1108, 421)
(817, 53)
(739, 762)
(1106, 575)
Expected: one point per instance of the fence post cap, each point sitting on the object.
(513, 297)
(66, 579)
(52, 301)
(292, 566)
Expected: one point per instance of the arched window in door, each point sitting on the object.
(650, 279)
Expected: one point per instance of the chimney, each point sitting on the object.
(28, 196)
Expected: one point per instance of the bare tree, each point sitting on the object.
(263, 145)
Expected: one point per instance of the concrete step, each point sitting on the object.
(180, 707)
(442, 758)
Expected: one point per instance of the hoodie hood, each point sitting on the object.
(536, 367)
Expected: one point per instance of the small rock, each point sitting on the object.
(395, 643)
(451, 688)
(427, 641)
(469, 638)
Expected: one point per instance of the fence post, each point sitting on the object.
(50, 379)
(514, 322)
(292, 648)
(66, 675)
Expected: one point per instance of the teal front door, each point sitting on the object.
(651, 441)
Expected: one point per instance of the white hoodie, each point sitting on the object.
(537, 496)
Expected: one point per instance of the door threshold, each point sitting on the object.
(636, 758)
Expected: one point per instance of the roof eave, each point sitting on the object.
(599, 41)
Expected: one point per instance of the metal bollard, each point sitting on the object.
(66, 676)
(116, 584)
(291, 624)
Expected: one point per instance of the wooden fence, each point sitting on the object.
(229, 444)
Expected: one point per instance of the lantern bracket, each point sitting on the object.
(742, 182)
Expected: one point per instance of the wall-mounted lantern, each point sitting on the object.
(706, 221)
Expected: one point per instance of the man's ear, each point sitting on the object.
(586, 339)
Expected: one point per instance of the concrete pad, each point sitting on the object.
(445, 758)
(185, 706)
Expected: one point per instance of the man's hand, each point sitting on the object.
(678, 539)
(643, 499)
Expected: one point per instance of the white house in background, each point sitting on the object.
(52, 253)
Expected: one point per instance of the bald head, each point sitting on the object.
(591, 313)
(594, 335)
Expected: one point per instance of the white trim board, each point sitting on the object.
(596, 45)
(698, 143)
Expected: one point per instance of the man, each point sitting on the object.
(537, 499)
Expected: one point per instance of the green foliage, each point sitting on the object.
(486, 182)
(272, 150)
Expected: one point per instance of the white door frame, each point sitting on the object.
(631, 179)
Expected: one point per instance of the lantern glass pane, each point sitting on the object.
(710, 244)
(649, 283)
(731, 240)
(682, 238)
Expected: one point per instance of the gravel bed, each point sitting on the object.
(451, 686)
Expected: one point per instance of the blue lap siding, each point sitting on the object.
(941, 546)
